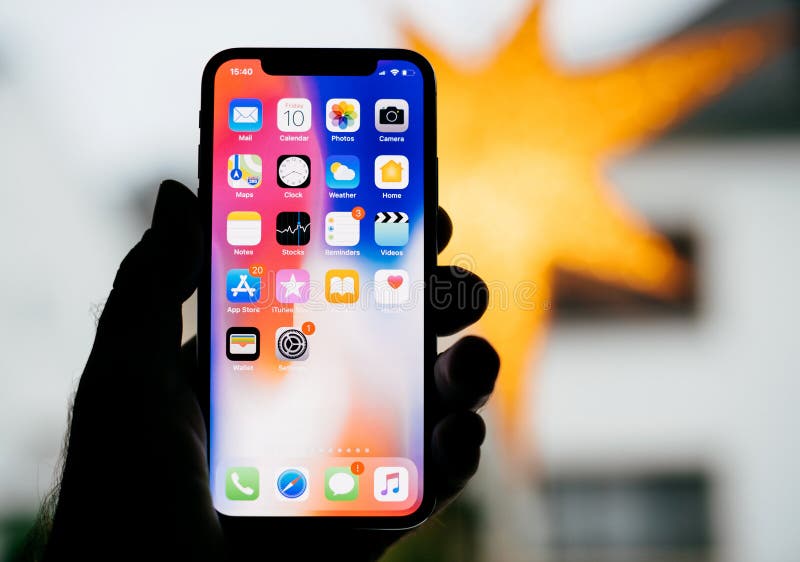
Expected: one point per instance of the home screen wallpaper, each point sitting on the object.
(317, 292)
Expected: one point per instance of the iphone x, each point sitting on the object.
(318, 187)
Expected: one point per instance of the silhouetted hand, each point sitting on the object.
(135, 478)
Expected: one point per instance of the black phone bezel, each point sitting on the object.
(309, 62)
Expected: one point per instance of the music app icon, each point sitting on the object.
(391, 484)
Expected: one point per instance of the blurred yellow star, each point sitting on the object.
(522, 149)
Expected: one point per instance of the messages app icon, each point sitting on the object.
(245, 115)
(341, 484)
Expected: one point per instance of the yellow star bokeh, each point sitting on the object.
(523, 145)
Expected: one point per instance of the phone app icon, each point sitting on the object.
(240, 286)
(294, 170)
(244, 228)
(342, 172)
(245, 115)
(292, 285)
(244, 171)
(241, 483)
(391, 228)
(391, 115)
(390, 484)
(243, 344)
(342, 229)
(292, 484)
(341, 286)
(391, 171)
(343, 115)
(294, 115)
(392, 287)
(291, 344)
(293, 228)
(341, 485)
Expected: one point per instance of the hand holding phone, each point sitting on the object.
(137, 423)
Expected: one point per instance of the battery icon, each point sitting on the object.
(408, 72)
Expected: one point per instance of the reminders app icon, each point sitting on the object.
(244, 115)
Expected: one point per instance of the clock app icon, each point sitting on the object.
(294, 170)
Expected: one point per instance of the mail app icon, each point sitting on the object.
(245, 115)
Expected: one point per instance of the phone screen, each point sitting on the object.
(317, 292)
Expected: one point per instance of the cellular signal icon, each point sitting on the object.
(394, 72)
(382, 73)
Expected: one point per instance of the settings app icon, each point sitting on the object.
(291, 344)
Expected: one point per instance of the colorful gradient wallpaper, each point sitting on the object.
(316, 292)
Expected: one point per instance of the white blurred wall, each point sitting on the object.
(716, 393)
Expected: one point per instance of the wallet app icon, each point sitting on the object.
(245, 115)
(243, 344)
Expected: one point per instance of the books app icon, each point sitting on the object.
(341, 286)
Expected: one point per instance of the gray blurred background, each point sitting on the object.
(655, 431)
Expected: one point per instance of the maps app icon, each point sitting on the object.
(243, 287)
(244, 171)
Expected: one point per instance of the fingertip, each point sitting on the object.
(178, 234)
(459, 297)
(444, 229)
(456, 446)
(472, 361)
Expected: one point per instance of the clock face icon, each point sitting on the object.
(294, 170)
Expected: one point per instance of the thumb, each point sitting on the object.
(141, 321)
(130, 392)
(165, 264)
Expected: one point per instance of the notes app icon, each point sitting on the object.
(391, 484)
(341, 286)
(244, 228)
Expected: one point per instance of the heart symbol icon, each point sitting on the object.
(395, 281)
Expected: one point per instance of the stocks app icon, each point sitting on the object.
(293, 228)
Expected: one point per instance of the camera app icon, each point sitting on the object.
(391, 115)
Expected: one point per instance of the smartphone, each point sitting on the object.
(318, 182)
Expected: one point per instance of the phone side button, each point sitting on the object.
(198, 161)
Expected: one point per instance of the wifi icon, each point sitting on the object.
(394, 72)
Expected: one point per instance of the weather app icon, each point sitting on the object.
(342, 172)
